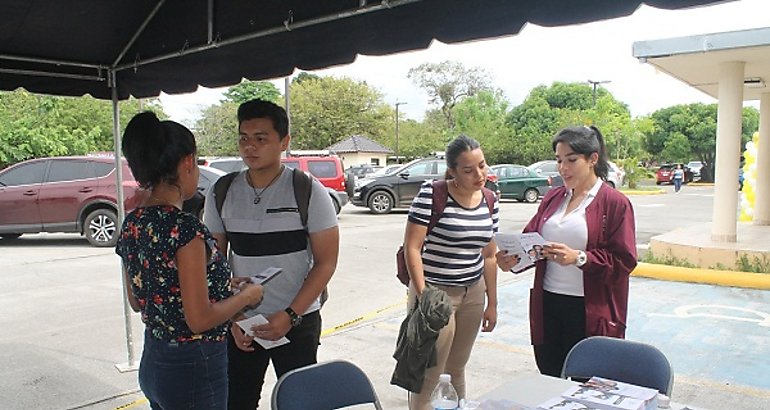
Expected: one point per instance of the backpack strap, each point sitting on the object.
(438, 203)
(489, 197)
(303, 188)
(221, 186)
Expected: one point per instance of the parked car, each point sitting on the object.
(665, 174)
(520, 183)
(363, 170)
(549, 168)
(227, 164)
(492, 182)
(326, 169)
(65, 194)
(382, 194)
(386, 170)
(695, 167)
(616, 177)
(208, 176)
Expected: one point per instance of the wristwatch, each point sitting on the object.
(295, 318)
(582, 258)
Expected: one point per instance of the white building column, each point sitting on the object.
(729, 122)
(762, 187)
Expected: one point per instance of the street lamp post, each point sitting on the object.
(398, 160)
(595, 84)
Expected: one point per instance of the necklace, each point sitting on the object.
(258, 195)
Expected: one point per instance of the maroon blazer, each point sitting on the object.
(611, 251)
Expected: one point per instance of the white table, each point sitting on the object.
(529, 390)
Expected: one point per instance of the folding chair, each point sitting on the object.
(622, 360)
(324, 386)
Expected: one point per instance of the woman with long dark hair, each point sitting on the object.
(174, 274)
(581, 287)
(458, 258)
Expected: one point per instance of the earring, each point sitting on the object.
(454, 181)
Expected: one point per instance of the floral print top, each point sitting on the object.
(148, 242)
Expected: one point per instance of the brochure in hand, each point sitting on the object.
(246, 325)
(527, 247)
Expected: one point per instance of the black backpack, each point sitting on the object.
(303, 188)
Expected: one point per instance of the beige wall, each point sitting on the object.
(357, 158)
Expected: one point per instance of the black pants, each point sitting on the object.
(564, 322)
(246, 370)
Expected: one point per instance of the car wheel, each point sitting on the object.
(380, 202)
(658, 182)
(531, 195)
(10, 236)
(337, 207)
(350, 184)
(101, 228)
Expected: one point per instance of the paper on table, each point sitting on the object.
(601, 398)
(246, 325)
(526, 246)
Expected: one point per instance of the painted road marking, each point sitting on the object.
(707, 311)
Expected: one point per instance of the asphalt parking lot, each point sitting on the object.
(64, 327)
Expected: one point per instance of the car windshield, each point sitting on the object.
(389, 170)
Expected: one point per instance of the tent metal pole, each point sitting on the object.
(210, 28)
(286, 92)
(131, 365)
(38, 73)
(50, 61)
(264, 33)
(138, 32)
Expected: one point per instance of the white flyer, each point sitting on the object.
(246, 325)
(526, 247)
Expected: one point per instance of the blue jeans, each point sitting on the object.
(677, 184)
(190, 375)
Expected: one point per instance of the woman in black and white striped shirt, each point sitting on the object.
(458, 257)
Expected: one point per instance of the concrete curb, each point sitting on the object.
(708, 276)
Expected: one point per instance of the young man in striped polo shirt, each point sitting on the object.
(260, 223)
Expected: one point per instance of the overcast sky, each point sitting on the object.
(598, 51)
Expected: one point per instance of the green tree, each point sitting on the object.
(483, 117)
(216, 131)
(304, 76)
(547, 109)
(449, 82)
(249, 90)
(677, 148)
(34, 126)
(697, 123)
(329, 109)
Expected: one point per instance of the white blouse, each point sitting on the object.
(570, 229)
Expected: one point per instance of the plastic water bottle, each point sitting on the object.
(444, 396)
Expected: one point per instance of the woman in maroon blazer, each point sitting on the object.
(581, 287)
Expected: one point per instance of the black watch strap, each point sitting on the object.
(295, 318)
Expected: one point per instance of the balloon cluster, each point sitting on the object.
(749, 179)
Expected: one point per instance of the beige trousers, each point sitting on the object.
(455, 340)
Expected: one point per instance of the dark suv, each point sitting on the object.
(382, 194)
(65, 194)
